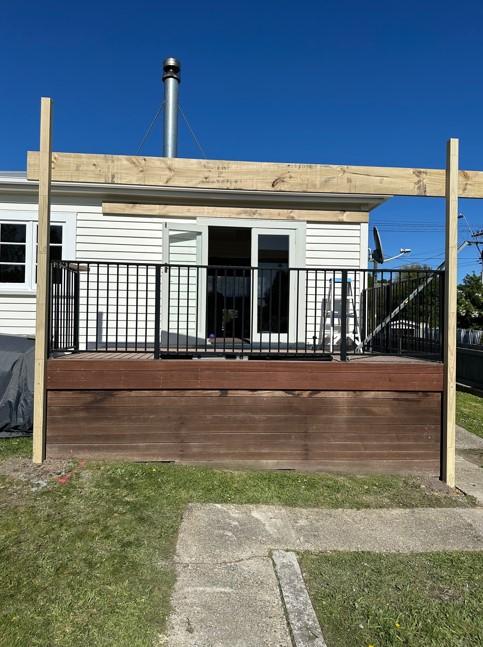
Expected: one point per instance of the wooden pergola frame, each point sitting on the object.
(450, 183)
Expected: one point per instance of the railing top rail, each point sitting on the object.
(416, 272)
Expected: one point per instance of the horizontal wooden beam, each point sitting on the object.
(254, 176)
(180, 211)
(77, 373)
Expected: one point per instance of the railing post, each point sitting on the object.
(76, 309)
(343, 318)
(157, 310)
(387, 310)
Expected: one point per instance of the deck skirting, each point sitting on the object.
(361, 416)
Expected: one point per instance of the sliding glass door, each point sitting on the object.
(273, 302)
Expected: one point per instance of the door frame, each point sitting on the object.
(274, 337)
(299, 230)
(201, 230)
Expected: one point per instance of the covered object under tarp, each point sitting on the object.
(16, 385)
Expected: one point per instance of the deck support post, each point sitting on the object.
(42, 302)
(448, 454)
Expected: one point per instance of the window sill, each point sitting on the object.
(17, 292)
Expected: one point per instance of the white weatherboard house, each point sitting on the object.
(130, 224)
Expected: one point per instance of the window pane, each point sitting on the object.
(273, 250)
(12, 253)
(273, 283)
(56, 234)
(55, 253)
(12, 233)
(12, 273)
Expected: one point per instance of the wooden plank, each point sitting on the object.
(232, 374)
(253, 176)
(41, 321)
(190, 211)
(354, 466)
(450, 304)
(294, 429)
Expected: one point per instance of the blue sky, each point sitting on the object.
(376, 83)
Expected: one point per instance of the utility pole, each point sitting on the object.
(476, 235)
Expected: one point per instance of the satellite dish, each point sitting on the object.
(377, 254)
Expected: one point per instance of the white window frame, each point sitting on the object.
(30, 219)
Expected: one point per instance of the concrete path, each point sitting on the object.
(467, 440)
(469, 475)
(227, 593)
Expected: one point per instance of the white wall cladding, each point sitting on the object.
(335, 247)
(17, 314)
(130, 240)
(119, 314)
(119, 238)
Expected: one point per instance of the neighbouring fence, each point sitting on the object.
(469, 366)
(272, 310)
(469, 337)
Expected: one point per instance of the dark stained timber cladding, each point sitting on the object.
(278, 428)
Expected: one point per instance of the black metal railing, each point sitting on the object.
(270, 311)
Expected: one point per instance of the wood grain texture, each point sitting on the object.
(41, 315)
(188, 211)
(294, 429)
(255, 176)
(448, 463)
(78, 374)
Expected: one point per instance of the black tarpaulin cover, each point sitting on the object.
(16, 385)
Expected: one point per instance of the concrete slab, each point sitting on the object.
(227, 594)
(228, 605)
(234, 532)
(304, 626)
(469, 478)
(467, 440)
(401, 530)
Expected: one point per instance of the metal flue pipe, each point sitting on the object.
(171, 80)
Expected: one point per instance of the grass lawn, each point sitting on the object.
(425, 600)
(469, 412)
(89, 562)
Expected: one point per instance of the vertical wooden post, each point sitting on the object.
(451, 258)
(42, 305)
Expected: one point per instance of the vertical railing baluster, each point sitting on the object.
(117, 306)
(343, 320)
(233, 303)
(224, 310)
(157, 310)
(314, 335)
(127, 307)
(187, 306)
(297, 312)
(146, 309)
(168, 317)
(243, 296)
(197, 305)
(136, 317)
(76, 304)
(279, 273)
(107, 305)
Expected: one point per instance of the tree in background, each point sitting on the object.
(470, 302)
